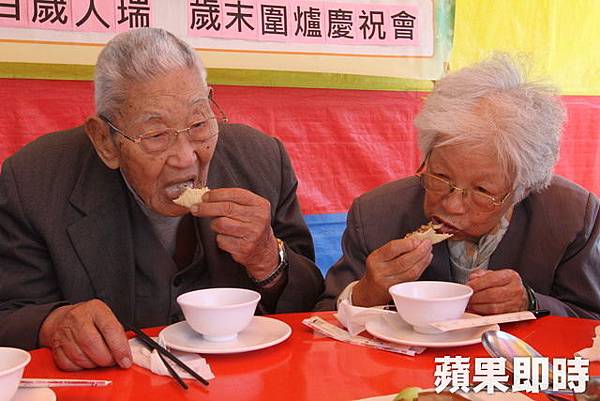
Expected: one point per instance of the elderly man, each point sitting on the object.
(521, 237)
(90, 236)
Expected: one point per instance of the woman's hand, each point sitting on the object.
(497, 291)
(396, 262)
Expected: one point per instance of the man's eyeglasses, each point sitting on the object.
(161, 140)
(479, 199)
(202, 131)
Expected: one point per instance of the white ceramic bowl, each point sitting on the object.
(422, 302)
(219, 314)
(12, 364)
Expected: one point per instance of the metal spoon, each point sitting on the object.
(500, 344)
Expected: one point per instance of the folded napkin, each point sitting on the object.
(150, 360)
(592, 353)
(354, 318)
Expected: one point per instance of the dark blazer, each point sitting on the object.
(553, 242)
(66, 233)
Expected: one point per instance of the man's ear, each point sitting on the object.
(103, 141)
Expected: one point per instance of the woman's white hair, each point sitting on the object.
(137, 56)
(492, 105)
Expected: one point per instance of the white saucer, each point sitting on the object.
(263, 332)
(391, 327)
(34, 394)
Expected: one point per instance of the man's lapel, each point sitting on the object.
(102, 237)
(222, 269)
(220, 173)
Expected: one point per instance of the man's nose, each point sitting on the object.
(182, 153)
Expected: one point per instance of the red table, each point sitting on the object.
(309, 367)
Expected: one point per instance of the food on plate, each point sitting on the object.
(408, 394)
(191, 196)
(418, 394)
(431, 395)
(428, 231)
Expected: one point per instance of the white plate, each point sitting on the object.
(391, 327)
(34, 394)
(263, 332)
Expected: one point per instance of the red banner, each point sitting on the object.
(342, 142)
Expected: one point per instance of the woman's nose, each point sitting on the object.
(455, 201)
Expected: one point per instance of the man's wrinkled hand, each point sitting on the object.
(396, 262)
(242, 222)
(496, 291)
(84, 336)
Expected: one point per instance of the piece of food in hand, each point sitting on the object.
(191, 196)
(427, 231)
(418, 394)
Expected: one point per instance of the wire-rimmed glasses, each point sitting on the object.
(482, 200)
(204, 130)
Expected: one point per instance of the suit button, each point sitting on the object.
(177, 281)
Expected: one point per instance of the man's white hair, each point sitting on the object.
(491, 104)
(136, 56)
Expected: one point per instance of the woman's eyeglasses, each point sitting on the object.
(441, 186)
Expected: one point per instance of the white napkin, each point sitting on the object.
(143, 357)
(592, 353)
(354, 318)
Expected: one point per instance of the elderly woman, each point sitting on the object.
(521, 237)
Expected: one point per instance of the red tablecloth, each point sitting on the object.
(309, 367)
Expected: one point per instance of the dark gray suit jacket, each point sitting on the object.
(66, 232)
(553, 241)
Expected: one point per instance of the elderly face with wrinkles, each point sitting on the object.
(467, 214)
(176, 100)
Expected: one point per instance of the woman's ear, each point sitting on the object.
(102, 139)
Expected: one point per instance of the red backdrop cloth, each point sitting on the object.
(341, 142)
